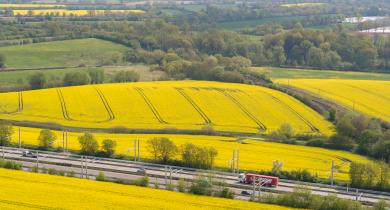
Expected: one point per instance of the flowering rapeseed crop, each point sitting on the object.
(186, 105)
(69, 12)
(367, 96)
(254, 154)
(31, 5)
(23, 190)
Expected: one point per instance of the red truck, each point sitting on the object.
(269, 181)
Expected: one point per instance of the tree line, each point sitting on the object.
(299, 47)
(40, 80)
(163, 150)
(355, 132)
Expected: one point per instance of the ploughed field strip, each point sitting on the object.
(189, 105)
(366, 96)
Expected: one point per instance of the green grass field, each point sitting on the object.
(290, 73)
(60, 53)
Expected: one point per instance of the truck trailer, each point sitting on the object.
(269, 181)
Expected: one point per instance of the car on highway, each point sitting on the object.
(141, 171)
(244, 192)
(30, 154)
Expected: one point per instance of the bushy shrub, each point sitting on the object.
(201, 186)
(52, 171)
(181, 185)
(226, 193)
(10, 164)
(101, 176)
(143, 182)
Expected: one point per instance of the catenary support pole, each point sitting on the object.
(332, 173)
(20, 143)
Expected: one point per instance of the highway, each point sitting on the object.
(123, 169)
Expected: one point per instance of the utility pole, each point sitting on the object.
(235, 161)
(66, 144)
(332, 173)
(357, 194)
(238, 161)
(232, 161)
(63, 141)
(86, 168)
(170, 175)
(82, 167)
(135, 150)
(165, 173)
(2, 151)
(139, 156)
(254, 188)
(37, 160)
(20, 144)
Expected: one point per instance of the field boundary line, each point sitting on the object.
(63, 104)
(21, 102)
(349, 107)
(106, 104)
(196, 107)
(20, 105)
(150, 105)
(312, 127)
(35, 206)
(367, 91)
(242, 107)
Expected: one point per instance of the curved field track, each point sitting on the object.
(366, 96)
(182, 105)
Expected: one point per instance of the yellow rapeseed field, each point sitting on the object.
(185, 105)
(254, 154)
(31, 5)
(69, 12)
(367, 96)
(24, 190)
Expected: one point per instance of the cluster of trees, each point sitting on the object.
(46, 139)
(153, 39)
(364, 135)
(354, 132)
(88, 143)
(164, 150)
(217, 68)
(6, 132)
(41, 80)
(90, 146)
(371, 176)
(267, 10)
(328, 50)
(333, 49)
